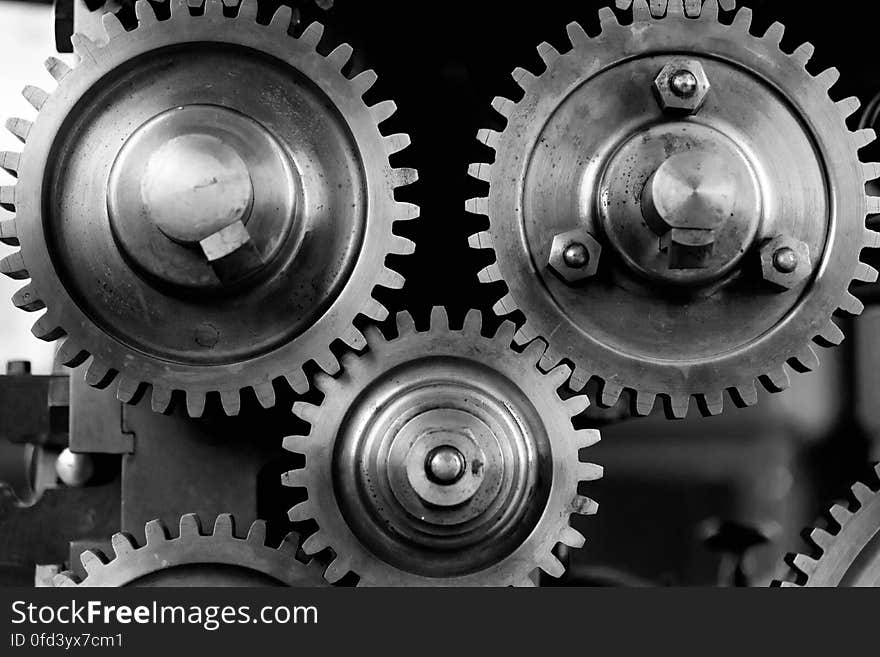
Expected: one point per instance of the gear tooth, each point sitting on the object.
(607, 18)
(505, 332)
(328, 362)
(364, 81)
(315, 543)
(677, 8)
(383, 111)
(710, 10)
(525, 79)
(828, 78)
(71, 354)
(337, 569)
(506, 305)
(877, 471)
(588, 437)
(571, 537)
(863, 137)
(547, 53)
(340, 56)
(26, 299)
(404, 176)
(711, 403)
(35, 96)
(213, 8)
(677, 407)
(64, 579)
(862, 493)
(473, 323)
(396, 143)
(873, 205)
(155, 533)
(830, 335)
(91, 561)
(848, 106)
(609, 394)
(298, 381)
(623, 5)
(312, 34)
(644, 402)
(128, 390)
(534, 352)
(851, 305)
(13, 266)
(301, 512)
(589, 472)
(489, 273)
(190, 525)
(195, 403)
(806, 565)
(257, 533)
(391, 279)
(775, 33)
(439, 319)
(576, 35)
(145, 14)
(727, 5)
(577, 405)
(559, 375)
(112, 27)
(528, 580)
(294, 478)
(160, 399)
(478, 205)
(122, 544)
(231, 402)
(872, 239)
(56, 68)
(305, 411)
(865, 273)
(354, 338)
(552, 566)
(804, 53)
(46, 328)
(480, 171)
(83, 46)
(7, 197)
(403, 245)
(744, 395)
(282, 18)
(98, 375)
(525, 334)
(224, 525)
(821, 539)
(290, 544)
(9, 162)
(872, 171)
(20, 128)
(743, 19)
(375, 310)
(584, 506)
(406, 211)
(840, 514)
(265, 394)
(248, 9)
(776, 380)
(481, 240)
(489, 137)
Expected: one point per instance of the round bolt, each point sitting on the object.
(74, 470)
(576, 255)
(683, 83)
(785, 260)
(444, 465)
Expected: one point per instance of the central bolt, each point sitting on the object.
(683, 83)
(444, 465)
(785, 260)
(576, 255)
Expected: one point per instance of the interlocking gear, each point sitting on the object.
(721, 193)
(443, 457)
(849, 556)
(204, 204)
(194, 558)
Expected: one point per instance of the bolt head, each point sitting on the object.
(785, 262)
(681, 86)
(444, 465)
(574, 256)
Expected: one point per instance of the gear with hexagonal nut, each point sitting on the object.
(443, 458)
(203, 205)
(678, 206)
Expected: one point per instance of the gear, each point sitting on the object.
(194, 558)
(678, 206)
(443, 457)
(851, 555)
(204, 204)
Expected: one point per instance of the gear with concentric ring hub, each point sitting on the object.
(203, 205)
(678, 206)
(443, 457)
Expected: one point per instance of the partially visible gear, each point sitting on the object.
(678, 206)
(204, 204)
(443, 457)
(194, 558)
(849, 556)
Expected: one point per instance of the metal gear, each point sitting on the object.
(443, 457)
(851, 555)
(678, 206)
(194, 558)
(204, 204)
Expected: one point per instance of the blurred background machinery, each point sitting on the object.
(695, 501)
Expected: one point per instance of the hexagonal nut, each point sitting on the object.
(671, 101)
(779, 278)
(571, 274)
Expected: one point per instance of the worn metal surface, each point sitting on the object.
(196, 558)
(250, 334)
(368, 479)
(677, 319)
(96, 421)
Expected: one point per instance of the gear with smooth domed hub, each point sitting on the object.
(195, 558)
(203, 205)
(443, 458)
(678, 206)
(847, 552)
